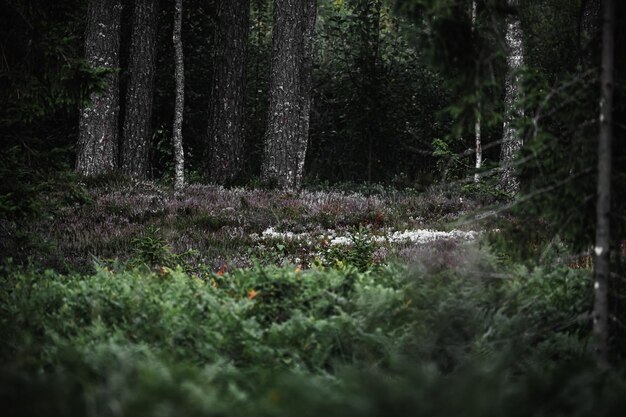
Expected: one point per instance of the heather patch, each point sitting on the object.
(236, 226)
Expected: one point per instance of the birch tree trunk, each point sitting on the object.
(603, 206)
(138, 118)
(226, 119)
(306, 77)
(511, 141)
(477, 123)
(97, 146)
(177, 134)
(287, 133)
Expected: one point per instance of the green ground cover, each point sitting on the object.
(151, 313)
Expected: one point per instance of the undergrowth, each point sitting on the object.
(189, 310)
(281, 341)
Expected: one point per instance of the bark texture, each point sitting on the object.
(287, 133)
(511, 141)
(226, 121)
(136, 141)
(177, 131)
(97, 146)
(477, 122)
(479, 146)
(603, 206)
(306, 77)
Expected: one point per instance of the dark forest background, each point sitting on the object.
(393, 83)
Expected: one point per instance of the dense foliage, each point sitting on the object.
(269, 341)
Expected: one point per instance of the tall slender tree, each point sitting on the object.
(226, 121)
(367, 60)
(306, 76)
(97, 146)
(478, 120)
(511, 141)
(177, 134)
(287, 133)
(603, 206)
(139, 96)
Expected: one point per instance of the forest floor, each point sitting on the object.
(223, 228)
(129, 298)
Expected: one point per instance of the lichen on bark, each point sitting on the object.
(511, 140)
(226, 118)
(177, 135)
(136, 137)
(97, 146)
(286, 137)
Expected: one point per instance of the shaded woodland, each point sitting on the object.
(305, 207)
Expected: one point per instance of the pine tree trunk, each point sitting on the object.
(138, 118)
(286, 137)
(603, 207)
(97, 146)
(177, 134)
(226, 119)
(511, 141)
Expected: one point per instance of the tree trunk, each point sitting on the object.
(226, 119)
(97, 146)
(177, 134)
(603, 208)
(477, 123)
(306, 76)
(287, 133)
(139, 96)
(369, 82)
(479, 147)
(511, 141)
